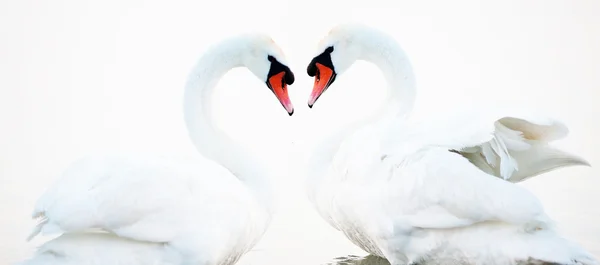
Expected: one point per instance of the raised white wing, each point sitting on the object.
(145, 199)
(446, 166)
(510, 144)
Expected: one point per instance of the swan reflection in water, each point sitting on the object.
(374, 260)
(358, 260)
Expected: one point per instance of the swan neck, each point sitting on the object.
(211, 141)
(397, 70)
(391, 60)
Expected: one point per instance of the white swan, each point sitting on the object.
(434, 190)
(208, 210)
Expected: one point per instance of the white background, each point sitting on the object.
(82, 76)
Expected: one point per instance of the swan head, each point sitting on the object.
(337, 51)
(265, 59)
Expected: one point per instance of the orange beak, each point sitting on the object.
(323, 79)
(277, 84)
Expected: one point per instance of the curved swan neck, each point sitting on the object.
(392, 61)
(383, 51)
(209, 140)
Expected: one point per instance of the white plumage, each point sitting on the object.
(137, 209)
(438, 189)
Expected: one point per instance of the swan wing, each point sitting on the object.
(444, 167)
(449, 191)
(430, 189)
(510, 144)
(143, 199)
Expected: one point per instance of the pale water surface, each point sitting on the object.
(80, 77)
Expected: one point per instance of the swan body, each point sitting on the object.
(205, 210)
(441, 188)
